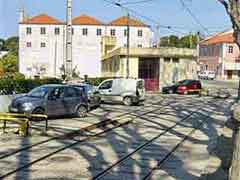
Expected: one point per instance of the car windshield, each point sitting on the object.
(184, 82)
(38, 92)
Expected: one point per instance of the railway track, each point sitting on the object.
(88, 128)
(164, 159)
(114, 123)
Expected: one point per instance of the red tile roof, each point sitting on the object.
(42, 19)
(122, 21)
(86, 20)
(219, 38)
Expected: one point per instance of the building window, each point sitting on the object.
(43, 30)
(175, 60)
(29, 44)
(29, 30)
(139, 46)
(125, 32)
(230, 49)
(167, 60)
(43, 45)
(72, 31)
(57, 31)
(140, 33)
(112, 32)
(84, 31)
(99, 32)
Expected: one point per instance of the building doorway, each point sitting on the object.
(149, 71)
(229, 74)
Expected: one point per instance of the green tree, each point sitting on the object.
(11, 44)
(170, 41)
(2, 45)
(8, 64)
(188, 41)
(164, 41)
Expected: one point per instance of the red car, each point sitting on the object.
(189, 86)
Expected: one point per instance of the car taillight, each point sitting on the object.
(182, 87)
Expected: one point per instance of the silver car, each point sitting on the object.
(129, 91)
(53, 100)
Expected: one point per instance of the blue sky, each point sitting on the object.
(167, 12)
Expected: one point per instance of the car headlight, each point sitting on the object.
(26, 106)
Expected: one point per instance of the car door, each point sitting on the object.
(94, 96)
(105, 89)
(55, 105)
(193, 86)
(72, 98)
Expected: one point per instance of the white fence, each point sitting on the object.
(5, 101)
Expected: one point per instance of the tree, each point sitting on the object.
(2, 45)
(233, 9)
(188, 41)
(11, 44)
(8, 64)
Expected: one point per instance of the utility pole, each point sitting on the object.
(68, 60)
(190, 40)
(158, 37)
(128, 41)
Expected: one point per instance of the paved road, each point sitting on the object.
(220, 83)
(170, 137)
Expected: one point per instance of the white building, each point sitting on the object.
(42, 43)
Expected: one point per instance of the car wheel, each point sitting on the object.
(38, 111)
(81, 111)
(127, 101)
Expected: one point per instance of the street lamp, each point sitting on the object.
(128, 37)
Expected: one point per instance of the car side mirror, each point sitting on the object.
(96, 92)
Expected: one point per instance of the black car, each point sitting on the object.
(172, 89)
(184, 87)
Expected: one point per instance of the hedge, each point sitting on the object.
(11, 85)
(96, 81)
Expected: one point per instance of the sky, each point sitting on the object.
(172, 13)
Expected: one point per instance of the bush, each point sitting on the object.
(96, 81)
(16, 83)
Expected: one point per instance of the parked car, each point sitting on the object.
(207, 75)
(94, 97)
(129, 91)
(52, 100)
(184, 87)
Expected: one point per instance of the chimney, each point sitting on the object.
(21, 15)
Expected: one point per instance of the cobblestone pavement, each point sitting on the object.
(141, 149)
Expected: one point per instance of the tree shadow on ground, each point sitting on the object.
(125, 140)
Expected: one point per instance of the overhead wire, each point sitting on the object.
(170, 28)
(194, 16)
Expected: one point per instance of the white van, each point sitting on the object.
(207, 75)
(129, 91)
